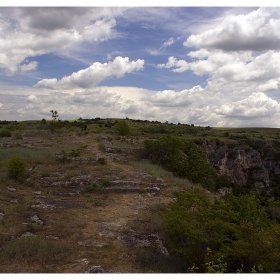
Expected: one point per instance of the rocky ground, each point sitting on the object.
(103, 213)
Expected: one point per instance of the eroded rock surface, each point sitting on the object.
(241, 161)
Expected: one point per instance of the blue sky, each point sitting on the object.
(217, 66)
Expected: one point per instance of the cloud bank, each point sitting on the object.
(230, 67)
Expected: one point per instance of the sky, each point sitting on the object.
(213, 66)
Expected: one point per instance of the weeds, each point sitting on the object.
(45, 174)
(33, 248)
(101, 147)
(90, 189)
(102, 160)
(142, 191)
(96, 202)
(106, 182)
(67, 156)
(34, 228)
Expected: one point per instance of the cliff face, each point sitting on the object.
(247, 161)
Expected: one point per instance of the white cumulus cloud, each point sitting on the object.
(257, 105)
(179, 65)
(93, 75)
(29, 32)
(29, 67)
(257, 31)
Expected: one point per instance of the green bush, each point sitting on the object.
(222, 182)
(5, 133)
(90, 188)
(66, 156)
(235, 230)
(122, 128)
(182, 157)
(102, 160)
(106, 181)
(17, 168)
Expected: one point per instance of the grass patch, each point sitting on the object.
(32, 156)
(142, 191)
(158, 172)
(34, 248)
(11, 223)
(106, 181)
(101, 147)
(95, 202)
(90, 188)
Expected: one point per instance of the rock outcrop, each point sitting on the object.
(253, 161)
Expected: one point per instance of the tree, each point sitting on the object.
(54, 115)
(53, 125)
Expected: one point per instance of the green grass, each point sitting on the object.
(106, 181)
(159, 172)
(90, 188)
(32, 156)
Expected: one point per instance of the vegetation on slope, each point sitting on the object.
(182, 157)
(230, 234)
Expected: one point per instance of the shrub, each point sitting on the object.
(222, 182)
(5, 133)
(90, 188)
(102, 161)
(182, 157)
(106, 182)
(73, 153)
(236, 230)
(66, 156)
(122, 128)
(17, 168)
